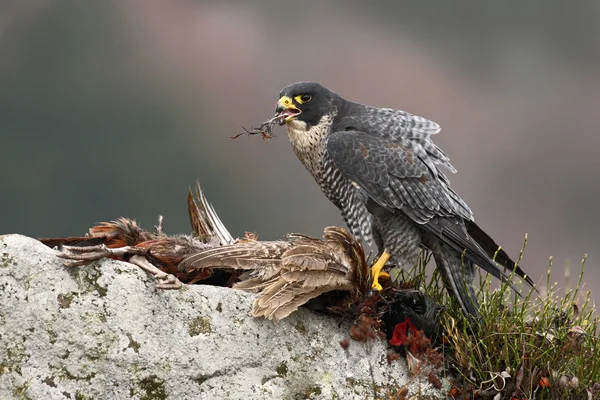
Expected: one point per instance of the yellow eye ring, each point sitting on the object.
(303, 98)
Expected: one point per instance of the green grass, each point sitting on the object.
(529, 347)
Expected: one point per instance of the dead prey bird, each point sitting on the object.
(286, 273)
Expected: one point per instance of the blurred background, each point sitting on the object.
(114, 108)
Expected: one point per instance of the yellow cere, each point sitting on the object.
(286, 101)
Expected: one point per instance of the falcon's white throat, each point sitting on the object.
(309, 143)
(296, 125)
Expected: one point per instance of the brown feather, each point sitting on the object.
(75, 241)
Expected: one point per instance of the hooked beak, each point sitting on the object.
(286, 110)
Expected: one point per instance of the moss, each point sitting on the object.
(80, 396)
(63, 373)
(151, 388)
(49, 381)
(199, 325)
(88, 281)
(95, 354)
(6, 260)
(315, 354)
(303, 387)
(64, 300)
(95, 318)
(282, 369)
(309, 393)
(20, 392)
(352, 383)
(51, 335)
(300, 327)
(14, 358)
(316, 390)
(103, 344)
(358, 385)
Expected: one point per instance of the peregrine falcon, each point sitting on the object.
(381, 169)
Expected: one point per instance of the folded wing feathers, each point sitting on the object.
(253, 284)
(242, 255)
(286, 273)
(313, 257)
(281, 299)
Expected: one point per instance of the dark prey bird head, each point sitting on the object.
(303, 104)
(417, 306)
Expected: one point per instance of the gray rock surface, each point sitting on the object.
(104, 332)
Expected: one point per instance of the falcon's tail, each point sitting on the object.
(458, 275)
(490, 247)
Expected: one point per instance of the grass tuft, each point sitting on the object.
(526, 346)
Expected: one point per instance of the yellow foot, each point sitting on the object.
(376, 270)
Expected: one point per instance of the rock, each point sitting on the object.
(105, 332)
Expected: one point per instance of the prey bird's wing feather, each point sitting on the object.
(205, 222)
(314, 256)
(262, 257)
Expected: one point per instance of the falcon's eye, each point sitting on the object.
(303, 98)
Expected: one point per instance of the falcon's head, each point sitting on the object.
(303, 104)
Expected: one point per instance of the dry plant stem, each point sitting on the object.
(265, 129)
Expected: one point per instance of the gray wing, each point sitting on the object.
(395, 175)
(398, 126)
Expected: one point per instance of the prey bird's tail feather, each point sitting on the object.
(118, 233)
(73, 241)
(205, 222)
